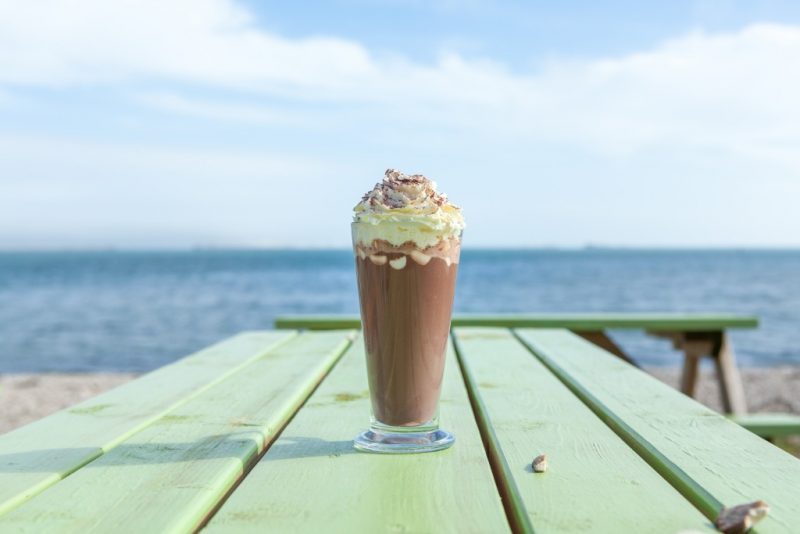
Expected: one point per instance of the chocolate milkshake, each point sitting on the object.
(407, 239)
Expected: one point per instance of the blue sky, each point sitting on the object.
(221, 123)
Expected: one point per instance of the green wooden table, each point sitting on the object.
(255, 434)
(696, 335)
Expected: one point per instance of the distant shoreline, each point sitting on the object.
(477, 248)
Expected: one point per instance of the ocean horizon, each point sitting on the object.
(115, 309)
(312, 248)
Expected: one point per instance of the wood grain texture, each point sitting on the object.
(594, 482)
(686, 322)
(707, 457)
(170, 475)
(38, 455)
(313, 480)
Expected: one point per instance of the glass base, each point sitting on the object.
(403, 441)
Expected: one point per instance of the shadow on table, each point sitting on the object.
(290, 447)
(239, 445)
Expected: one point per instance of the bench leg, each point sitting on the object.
(693, 349)
(689, 375)
(717, 345)
(730, 381)
(602, 340)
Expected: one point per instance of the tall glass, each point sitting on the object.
(406, 295)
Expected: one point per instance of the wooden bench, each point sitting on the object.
(770, 425)
(255, 433)
(696, 335)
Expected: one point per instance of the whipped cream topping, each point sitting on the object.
(405, 208)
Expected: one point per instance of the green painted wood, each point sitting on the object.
(770, 425)
(38, 455)
(656, 322)
(170, 475)
(709, 459)
(313, 480)
(594, 482)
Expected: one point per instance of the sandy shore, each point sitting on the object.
(775, 389)
(27, 397)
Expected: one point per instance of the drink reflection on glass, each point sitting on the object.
(407, 241)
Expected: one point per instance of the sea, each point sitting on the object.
(135, 311)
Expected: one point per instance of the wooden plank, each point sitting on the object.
(169, 476)
(770, 425)
(313, 480)
(38, 455)
(687, 322)
(710, 460)
(595, 482)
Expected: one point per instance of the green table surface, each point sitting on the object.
(655, 322)
(255, 434)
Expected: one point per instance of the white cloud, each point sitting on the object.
(212, 41)
(718, 112)
(219, 110)
(733, 90)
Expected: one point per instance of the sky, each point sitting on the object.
(142, 124)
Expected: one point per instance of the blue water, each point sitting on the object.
(134, 311)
